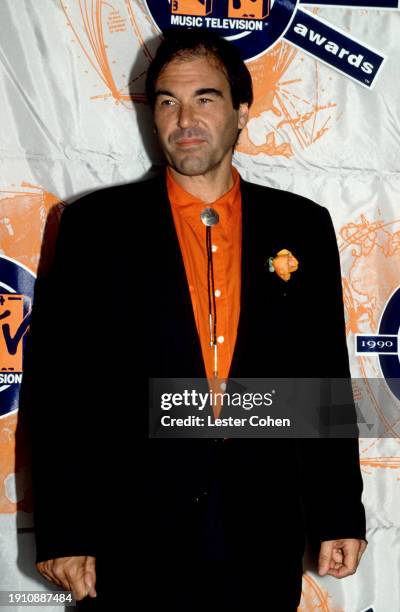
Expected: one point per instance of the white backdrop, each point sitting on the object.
(73, 119)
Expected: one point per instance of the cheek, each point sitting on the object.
(229, 119)
(221, 124)
(230, 126)
(163, 115)
(162, 125)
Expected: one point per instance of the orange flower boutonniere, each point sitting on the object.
(284, 263)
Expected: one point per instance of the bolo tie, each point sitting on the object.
(210, 218)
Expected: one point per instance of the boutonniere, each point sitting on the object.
(283, 264)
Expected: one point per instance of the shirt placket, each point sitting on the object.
(221, 302)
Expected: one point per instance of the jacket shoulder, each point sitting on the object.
(283, 202)
(110, 201)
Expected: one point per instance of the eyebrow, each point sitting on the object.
(199, 92)
(209, 90)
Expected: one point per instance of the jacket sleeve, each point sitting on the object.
(56, 400)
(330, 467)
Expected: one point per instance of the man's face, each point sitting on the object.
(194, 116)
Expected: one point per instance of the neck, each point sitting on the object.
(207, 187)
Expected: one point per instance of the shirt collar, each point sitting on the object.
(189, 206)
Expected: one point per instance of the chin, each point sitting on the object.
(190, 167)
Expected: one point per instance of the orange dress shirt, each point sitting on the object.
(226, 238)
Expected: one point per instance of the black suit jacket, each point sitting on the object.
(115, 311)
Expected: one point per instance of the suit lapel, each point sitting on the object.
(179, 321)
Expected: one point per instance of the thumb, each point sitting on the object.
(325, 556)
(90, 576)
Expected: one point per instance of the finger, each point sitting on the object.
(76, 576)
(350, 559)
(42, 569)
(45, 574)
(59, 575)
(91, 591)
(335, 566)
(337, 554)
(78, 587)
(336, 562)
(347, 568)
(55, 579)
(325, 556)
(340, 572)
(90, 576)
(45, 569)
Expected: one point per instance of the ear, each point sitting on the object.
(243, 115)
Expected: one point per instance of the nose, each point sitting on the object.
(187, 116)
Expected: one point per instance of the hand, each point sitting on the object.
(340, 558)
(76, 574)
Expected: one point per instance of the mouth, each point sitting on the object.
(189, 142)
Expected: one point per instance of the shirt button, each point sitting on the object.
(214, 248)
(220, 339)
(217, 293)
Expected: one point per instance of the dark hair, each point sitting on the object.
(184, 43)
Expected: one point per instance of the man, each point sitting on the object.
(129, 298)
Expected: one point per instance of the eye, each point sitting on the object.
(204, 100)
(167, 102)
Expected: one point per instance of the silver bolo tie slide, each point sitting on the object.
(210, 217)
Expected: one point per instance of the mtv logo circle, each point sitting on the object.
(254, 26)
(16, 295)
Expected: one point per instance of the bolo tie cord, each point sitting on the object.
(212, 307)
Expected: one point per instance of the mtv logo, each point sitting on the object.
(191, 7)
(249, 9)
(11, 322)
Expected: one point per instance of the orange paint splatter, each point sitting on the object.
(24, 213)
(293, 119)
(89, 24)
(375, 270)
(313, 598)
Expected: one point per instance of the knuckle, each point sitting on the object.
(73, 570)
(58, 571)
(43, 573)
